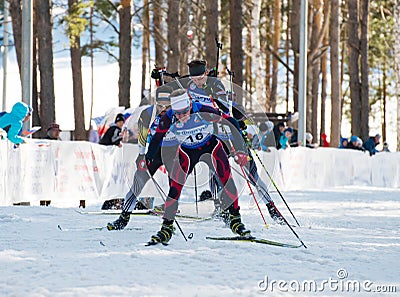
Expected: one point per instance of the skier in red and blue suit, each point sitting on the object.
(192, 124)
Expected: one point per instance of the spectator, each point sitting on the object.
(359, 144)
(267, 135)
(294, 142)
(53, 132)
(355, 143)
(343, 142)
(12, 122)
(309, 139)
(385, 147)
(278, 130)
(294, 139)
(26, 118)
(113, 136)
(251, 131)
(285, 138)
(324, 140)
(371, 143)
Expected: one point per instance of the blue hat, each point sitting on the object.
(288, 129)
(353, 138)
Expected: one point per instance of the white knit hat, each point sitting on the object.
(179, 100)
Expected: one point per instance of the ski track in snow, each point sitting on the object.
(356, 229)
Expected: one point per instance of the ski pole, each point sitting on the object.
(234, 151)
(284, 219)
(231, 75)
(194, 168)
(195, 189)
(162, 193)
(276, 187)
(219, 46)
(248, 183)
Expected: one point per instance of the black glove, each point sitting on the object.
(246, 138)
(242, 125)
(148, 160)
(155, 74)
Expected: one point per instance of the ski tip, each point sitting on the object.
(59, 227)
(101, 243)
(266, 226)
(150, 243)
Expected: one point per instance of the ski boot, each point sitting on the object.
(274, 213)
(159, 208)
(205, 195)
(121, 222)
(236, 224)
(164, 235)
(225, 217)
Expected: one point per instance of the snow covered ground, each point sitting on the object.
(352, 236)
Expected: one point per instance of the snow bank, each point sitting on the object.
(66, 172)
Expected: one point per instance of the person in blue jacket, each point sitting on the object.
(371, 143)
(12, 122)
(285, 136)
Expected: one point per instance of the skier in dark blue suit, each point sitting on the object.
(147, 124)
(210, 91)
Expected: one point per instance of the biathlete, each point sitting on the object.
(210, 91)
(147, 124)
(192, 124)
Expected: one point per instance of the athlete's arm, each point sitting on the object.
(143, 129)
(162, 129)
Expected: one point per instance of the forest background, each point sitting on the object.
(106, 50)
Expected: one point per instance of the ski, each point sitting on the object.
(115, 212)
(96, 228)
(254, 239)
(182, 216)
(143, 212)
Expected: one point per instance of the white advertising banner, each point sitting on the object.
(67, 172)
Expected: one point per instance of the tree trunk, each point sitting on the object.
(275, 46)
(316, 70)
(334, 33)
(157, 33)
(287, 47)
(236, 27)
(35, 94)
(364, 127)
(397, 66)
(211, 31)
(354, 48)
(173, 35)
(256, 50)
(45, 44)
(16, 19)
(145, 41)
(77, 87)
(324, 84)
(384, 100)
(184, 41)
(248, 77)
(125, 51)
(265, 38)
